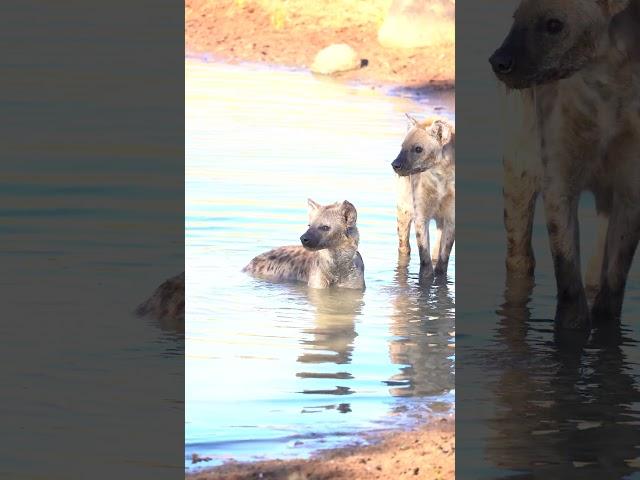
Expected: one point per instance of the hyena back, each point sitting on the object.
(426, 190)
(328, 256)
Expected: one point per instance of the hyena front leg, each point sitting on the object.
(561, 210)
(621, 244)
(520, 192)
(435, 244)
(595, 265)
(446, 244)
(422, 236)
(404, 208)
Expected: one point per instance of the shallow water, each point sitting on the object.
(278, 370)
(536, 404)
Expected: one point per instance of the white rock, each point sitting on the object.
(338, 57)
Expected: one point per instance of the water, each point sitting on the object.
(277, 370)
(85, 240)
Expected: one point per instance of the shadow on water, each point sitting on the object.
(565, 409)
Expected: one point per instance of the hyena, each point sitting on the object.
(328, 256)
(166, 304)
(586, 100)
(426, 166)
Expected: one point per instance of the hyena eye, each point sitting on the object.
(418, 149)
(554, 26)
(325, 228)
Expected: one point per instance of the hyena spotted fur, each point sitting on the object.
(576, 62)
(426, 191)
(166, 304)
(328, 256)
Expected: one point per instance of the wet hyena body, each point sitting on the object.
(166, 304)
(426, 191)
(583, 93)
(327, 257)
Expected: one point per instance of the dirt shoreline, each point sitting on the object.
(291, 33)
(427, 452)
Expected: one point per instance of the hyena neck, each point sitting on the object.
(338, 263)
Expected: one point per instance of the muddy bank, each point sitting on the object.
(291, 33)
(428, 452)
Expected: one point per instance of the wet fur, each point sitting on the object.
(166, 304)
(588, 134)
(332, 261)
(426, 191)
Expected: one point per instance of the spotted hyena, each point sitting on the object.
(328, 256)
(573, 62)
(426, 169)
(166, 304)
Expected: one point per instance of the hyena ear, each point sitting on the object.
(349, 213)
(412, 122)
(313, 205)
(441, 131)
(624, 31)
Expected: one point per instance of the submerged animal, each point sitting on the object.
(327, 257)
(166, 304)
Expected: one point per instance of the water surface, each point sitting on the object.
(278, 370)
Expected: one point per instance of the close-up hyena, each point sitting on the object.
(575, 80)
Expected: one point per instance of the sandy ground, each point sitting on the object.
(291, 32)
(426, 453)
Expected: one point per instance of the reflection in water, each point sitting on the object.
(422, 321)
(564, 409)
(331, 337)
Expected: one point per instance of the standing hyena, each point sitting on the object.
(586, 100)
(426, 166)
(328, 256)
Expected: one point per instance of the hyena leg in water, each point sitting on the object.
(621, 244)
(422, 236)
(561, 210)
(520, 192)
(446, 244)
(404, 214)
(435, 244)
(595, 265)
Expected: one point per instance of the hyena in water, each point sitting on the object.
(426, 167)
(328, 256)
(579, 65)
(166, 304)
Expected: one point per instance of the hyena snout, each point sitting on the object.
(310, 239)
(502, 61)
(399, 165)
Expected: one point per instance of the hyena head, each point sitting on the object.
(423, 146)
(550, 40)
(331, 226)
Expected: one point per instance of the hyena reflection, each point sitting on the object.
(426, 190)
